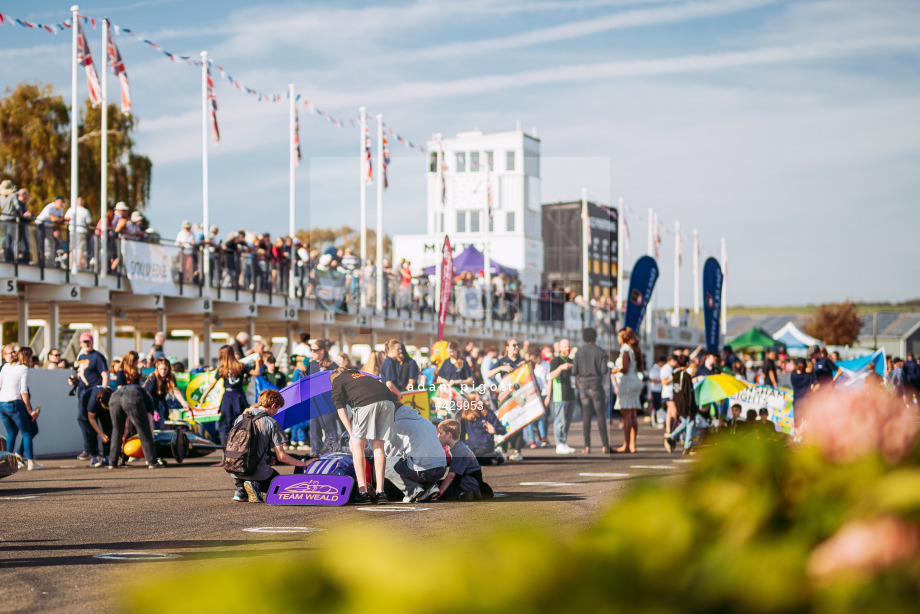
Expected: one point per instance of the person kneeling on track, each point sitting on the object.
(269, 439)
(416, 461)
(464, 475)
(374, 408)
(478, 427)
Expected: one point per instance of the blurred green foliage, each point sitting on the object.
(735, 535)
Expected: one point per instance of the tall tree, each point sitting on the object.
(129, 173)
(35, 150)
(34, 137)
(835, 323)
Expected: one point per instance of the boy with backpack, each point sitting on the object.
(252, 439)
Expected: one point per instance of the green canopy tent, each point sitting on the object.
(755, 339)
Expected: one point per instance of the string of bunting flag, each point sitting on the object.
(56, 28)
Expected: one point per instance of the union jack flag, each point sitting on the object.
(490, 213)
(657, 235)
(85, 57)
(680, 247)
(118, 68)
(386, 162)
(297, 137)
(212, 104)
(442, 168)
(367, 155)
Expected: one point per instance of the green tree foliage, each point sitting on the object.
(34, 141)
(129, 173)
(35, 150)
(755, 527)
(345, 237)
(835, 323)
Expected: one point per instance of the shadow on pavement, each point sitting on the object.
(22, 492)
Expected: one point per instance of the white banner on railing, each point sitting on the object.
(469, 303)
(150, 267)
(572, 317)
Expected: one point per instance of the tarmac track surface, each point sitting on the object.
(58, 521)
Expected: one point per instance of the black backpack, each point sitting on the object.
(240, 449)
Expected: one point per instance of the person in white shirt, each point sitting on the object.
(48, 229)
(667, 392)
(186, 242)
(654, 388)
(80, 216)
(15, 408)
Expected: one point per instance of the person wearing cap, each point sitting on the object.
(9, 217)
(78, 214)
(135, 227)
(92, 370)
(48, 230)
(185, 239)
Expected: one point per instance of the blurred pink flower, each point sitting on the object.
(865, 546)
(847, 425)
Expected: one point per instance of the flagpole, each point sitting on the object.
(74, 149)
(487, 255)
(675, 319)
(696, 272)
(205, 212)
(437, 269)
(293, 165)
(620, 262)
(723, 319)
(585, 240)
(363, 179)
(380, 212)
(104, 162)
(650, 314)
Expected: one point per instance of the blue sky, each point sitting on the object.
(789, 127)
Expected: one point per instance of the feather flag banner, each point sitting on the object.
(212, 105)
(367, 156)
(298, 155)
(386, 162)
(85, 58)
(118, 68)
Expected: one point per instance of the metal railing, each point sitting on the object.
(237, 270)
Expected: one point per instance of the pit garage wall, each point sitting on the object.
(57, 423)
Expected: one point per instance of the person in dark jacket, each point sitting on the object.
(590, 371)
(478, 427)
(685, 404)
(132, 402)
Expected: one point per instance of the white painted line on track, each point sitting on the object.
(16, 498)
(685, 460)
(547, 484)
(137, 556)
(653, 467)
(385, 508)
(604, 475)
(280, 530)
(500, 494)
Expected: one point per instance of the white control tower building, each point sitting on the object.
(462, 172)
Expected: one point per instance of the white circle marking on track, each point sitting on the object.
(280, 530)
(604, 475)
(137, 556)
(393, 509)
(547, 484)
(653, 467)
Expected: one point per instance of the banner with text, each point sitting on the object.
(447, 283)
(519, 400)
(777, 400)
(641, 283)
(150, 267)
(712, 302)
(469, 303)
